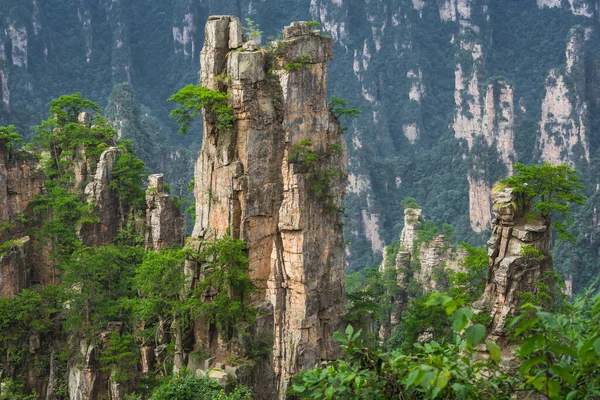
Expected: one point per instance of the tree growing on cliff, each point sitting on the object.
(67, 107)
(10, 138)
(548, 191)
(192, 98)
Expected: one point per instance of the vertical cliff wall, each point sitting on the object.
(563, 129)
(251, 182)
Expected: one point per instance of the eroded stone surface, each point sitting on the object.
(247, 186)
(106, 203)
(509, 271)
(164, 222)
(563, 136)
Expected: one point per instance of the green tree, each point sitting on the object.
(222, 294)
(66, 108)
(548, 191)
(252, 30)
(10, 138)
(190, 100)
(127, 180)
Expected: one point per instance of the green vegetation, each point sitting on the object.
(320, 179)
(297, 65)
(548, 191)
(313, 25)
(252, 30)
(94, 289)
(10, 138)
(66, 108)
(189, 387)
(339, 108)
(409, 202)
(192, 98)
(557, 359)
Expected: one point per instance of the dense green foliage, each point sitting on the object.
(10, 138)
(556, 357)
(194, 388)
(548, 191)
(117, 295)
(192, 98)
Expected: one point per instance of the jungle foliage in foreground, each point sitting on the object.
(554, 354)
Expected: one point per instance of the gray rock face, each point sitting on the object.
(510, 271)
(15, 268)
(164, 222)
(246, 185)
(99, 193)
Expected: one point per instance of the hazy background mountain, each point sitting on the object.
(452, 93)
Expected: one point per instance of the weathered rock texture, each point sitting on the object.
(15, 267)
(165, 223)
(246, 185)
(415, 264)
(563, 136)
(20, 182)
(510, 272)
(106, 203)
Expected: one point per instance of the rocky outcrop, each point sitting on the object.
(164, 221)
(85, 380)
(563, 129)
(106, 203)
(409, 232)
(250, 184)
(15, 266)
(437, 254)
(519, 255)
(412, 264)
(20, 182)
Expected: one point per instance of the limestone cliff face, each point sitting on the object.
(433, 255)
(106, 203)
(249, 183)
(577, 7)
(164, 222)
(20, 181)
(419, 265)
(494, 131)
(15, 268)
(563, 129)
(511, 270)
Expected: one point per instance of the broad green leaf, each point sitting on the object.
(528, 364)
(563, 373)
(475, 334)
(572, 394)
(442, 379)
(349, 330)
(494, 350)
(553, 389)
(460, 318)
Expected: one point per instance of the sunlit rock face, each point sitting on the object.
(250, 185)
(511, 271)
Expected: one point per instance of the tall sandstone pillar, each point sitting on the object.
(248, 183)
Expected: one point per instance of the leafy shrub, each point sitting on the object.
(192, 98)
(190, 387)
